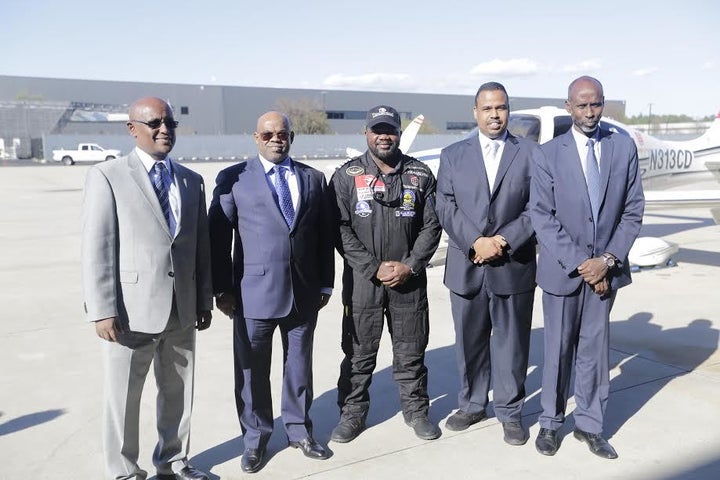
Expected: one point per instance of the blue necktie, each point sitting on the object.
(283, 193)
(592, 177)
(161, 185)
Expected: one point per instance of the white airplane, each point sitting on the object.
(656, 158)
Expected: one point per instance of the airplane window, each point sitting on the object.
(562, 125)
(525, 126)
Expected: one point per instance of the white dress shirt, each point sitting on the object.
(289, 171)
(581, 144)
(492, 163)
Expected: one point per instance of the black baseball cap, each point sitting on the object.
(383, 114)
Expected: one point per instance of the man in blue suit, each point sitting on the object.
(587, 214)
(482, 198)
(280, 274)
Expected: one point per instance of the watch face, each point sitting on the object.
(609, 261)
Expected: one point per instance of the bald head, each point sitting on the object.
(584, 82)
(273, 136)
(142, 105)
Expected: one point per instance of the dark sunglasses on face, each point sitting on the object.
(155, 123)
(267, 136)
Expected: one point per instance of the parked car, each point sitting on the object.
(86, 152)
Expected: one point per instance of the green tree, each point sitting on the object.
(306, 115)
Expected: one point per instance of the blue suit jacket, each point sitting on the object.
(467, 210)
(561, 214)
(273, 267)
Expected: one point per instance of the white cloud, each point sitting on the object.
(589, 65)
(370, 81)
(710, 65)
(644, 72)
(514, 67)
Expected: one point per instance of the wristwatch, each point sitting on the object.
(609, 260)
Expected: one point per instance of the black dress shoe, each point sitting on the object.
(547, 442)
(461, 420)
(514, 433)
(187, 473)
(347, 430)
(598, 445)
(252, 459)
(310, 448)
(423, 428)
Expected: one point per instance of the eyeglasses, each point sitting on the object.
(267, 136)
(155, 123)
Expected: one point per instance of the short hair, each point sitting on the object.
(490, 86)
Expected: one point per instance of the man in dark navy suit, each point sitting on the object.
(482, 201)
(280, 274)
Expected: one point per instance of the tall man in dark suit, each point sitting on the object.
(482, 199)
(281, 273)
(147, 287)
(586, 204)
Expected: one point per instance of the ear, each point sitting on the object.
(292, 136)
(131, 128)
(568, 107)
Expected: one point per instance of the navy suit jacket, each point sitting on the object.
(468, 209)
(561, 214)
(273, 268)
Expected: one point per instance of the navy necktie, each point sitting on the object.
(161, 185)
(284, 198)
(592, 177)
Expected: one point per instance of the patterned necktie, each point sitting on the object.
(283, 193)
(161, 185)
(592, 177)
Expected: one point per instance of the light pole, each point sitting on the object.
(650, 118)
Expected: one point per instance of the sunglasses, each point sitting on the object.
(267, 136)
(155, 124)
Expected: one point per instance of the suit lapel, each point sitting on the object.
(303, 180)
(571, 161)
(607, 145)
(473, 153)
(510, 151)
(142, 180)
(259, 186)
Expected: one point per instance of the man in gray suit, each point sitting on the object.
(482, 197)
(147, 287)
(586, 204)
(280, 274)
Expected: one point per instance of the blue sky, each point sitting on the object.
(662, 53)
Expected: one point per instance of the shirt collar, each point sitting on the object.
(149, 162)
(485, 140)
(268, 165)
(581, 139)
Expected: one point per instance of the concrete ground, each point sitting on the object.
(663, 416)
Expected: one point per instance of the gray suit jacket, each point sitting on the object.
(131, 264)
(561, 214)
(467, 210)
(275, 268)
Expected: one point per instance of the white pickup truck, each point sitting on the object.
(86, 152)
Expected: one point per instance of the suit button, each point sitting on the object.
(171, 274)
(590, 219)
(491, 220)
(589, 247)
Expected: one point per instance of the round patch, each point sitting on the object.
(354, 170)
(362, 209)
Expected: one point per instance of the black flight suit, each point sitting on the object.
(384, 218)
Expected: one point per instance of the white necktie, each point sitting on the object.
(491, 163)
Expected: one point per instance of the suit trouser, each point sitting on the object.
(576, 331)
(408, 325)
(502, 356)
(127, 362)
(297, 389)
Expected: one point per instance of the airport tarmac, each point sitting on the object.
(663, 415)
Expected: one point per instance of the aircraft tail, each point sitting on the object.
(411, 131)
